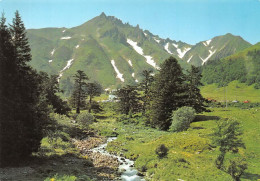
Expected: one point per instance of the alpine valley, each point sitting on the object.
(115, 53)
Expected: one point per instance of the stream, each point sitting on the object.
(128, 172)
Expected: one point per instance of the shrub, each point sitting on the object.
(161, 151)
(85, 119)
(182, 118)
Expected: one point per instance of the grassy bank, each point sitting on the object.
(191, 155)
(234, 91)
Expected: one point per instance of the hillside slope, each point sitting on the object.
(243, 66)
(115, 53)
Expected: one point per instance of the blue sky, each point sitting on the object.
(186, 20)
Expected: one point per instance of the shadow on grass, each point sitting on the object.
(250, 176)
(205, 118)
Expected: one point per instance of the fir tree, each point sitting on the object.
(50, 88)
(167, 93)
(145, 86)
(194, 98)
(24, 110)
(93, 89)
(79, 94)
(20, 41)
(128, 100)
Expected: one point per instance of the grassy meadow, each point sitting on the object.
(191, 154)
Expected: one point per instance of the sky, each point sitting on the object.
(190, 21)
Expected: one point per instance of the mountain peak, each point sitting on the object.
(103, 15)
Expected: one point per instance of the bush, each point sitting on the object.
(161, 151)
(85, 119)
(182, 118)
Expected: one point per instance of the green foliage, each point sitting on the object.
(50, 88)
(227, 135)
(128, 100)
(79, 94)
(194, 98)
(242, 66)
(85, 119)
(61, 178)
(145, 86)
(181, 119)
(161, 151)
(93, 89)
(236, 168)
(167, 93)
(24, 110)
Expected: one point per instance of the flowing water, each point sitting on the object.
(128, 172)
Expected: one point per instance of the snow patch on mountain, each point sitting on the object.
(52, 52)
(182, 53)
(139, 50)
(150, 61)
(130, 63)
(179, 51)
(65, 38)
(175, 45)
(119, 75)
(208, 42)
(135, 46)
(77, 46)
(145, 34)
(189, 58)
(69, 63)
(158, 41)
(207, 58)
(63, 31)
(166, 47)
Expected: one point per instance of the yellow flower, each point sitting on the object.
(52, 179)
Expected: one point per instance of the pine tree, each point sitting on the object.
(145, 86)
(50, 88)
(93, 89)
(20, 41)
(167, 93)
(79, 94)
(24, 110)
(8, 125)
(128, 99)
(194, 98)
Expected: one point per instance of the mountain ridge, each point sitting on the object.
(94, 44)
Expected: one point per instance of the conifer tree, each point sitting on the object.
(167, 93)
(194, 98)
(20, 41)
(145, 86)
(128, 99)
(93, 89)
(79, 94)
(24, 110)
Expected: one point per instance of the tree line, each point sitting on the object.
(158, 96)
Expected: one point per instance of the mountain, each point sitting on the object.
(243, 66)
(215, 48)
(115, 53)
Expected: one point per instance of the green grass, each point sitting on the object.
(234, 91)
(191, 155)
